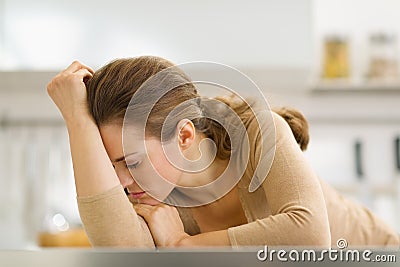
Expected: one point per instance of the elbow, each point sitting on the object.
(319, 236)
(311, 228)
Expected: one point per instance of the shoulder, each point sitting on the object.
(267, 126)
(268, 133)
(261, 130)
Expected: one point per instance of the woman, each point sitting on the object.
(291, 207)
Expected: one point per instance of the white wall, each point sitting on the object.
(1, 30)
(48, 34)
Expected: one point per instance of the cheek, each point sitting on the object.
(156, 176)
(165, 169)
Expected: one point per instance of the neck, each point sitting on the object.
(198, 155)
(208, 175)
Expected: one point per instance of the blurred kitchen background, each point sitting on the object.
(336, 60)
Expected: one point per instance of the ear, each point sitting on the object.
(186, 133)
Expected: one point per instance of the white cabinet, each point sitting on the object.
(374, 179)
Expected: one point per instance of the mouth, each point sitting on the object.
(137, 195)
(134, 195)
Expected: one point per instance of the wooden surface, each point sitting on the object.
(71, 238)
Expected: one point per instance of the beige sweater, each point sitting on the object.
(293, 207)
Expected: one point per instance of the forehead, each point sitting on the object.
(116, 131)
(118, 140)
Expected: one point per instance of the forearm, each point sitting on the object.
(106, 213)
(93, 170)
(209, 239)
(111, 221)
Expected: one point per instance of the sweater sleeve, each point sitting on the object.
(110, 221)
(293, 192)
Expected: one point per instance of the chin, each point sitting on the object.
(147, 201)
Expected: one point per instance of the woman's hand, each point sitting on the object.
(164, 222)
(68, 91)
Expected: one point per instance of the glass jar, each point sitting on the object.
(336, 57)
(383, 56)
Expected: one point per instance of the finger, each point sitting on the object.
(143, 207)
(84, 74)
(143, 210)
(76, 65)
(89, 69)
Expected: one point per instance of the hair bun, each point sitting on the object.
(297, 123)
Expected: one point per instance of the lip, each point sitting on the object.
(137, 195)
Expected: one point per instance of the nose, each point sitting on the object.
(124, 176)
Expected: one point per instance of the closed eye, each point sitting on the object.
(132, 166)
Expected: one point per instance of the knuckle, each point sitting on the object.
(59, 77)
(152, 213)
(156, 211)
(49, 86)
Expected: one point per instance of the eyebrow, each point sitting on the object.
(123, 157)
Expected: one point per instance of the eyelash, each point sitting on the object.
(132, 166)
